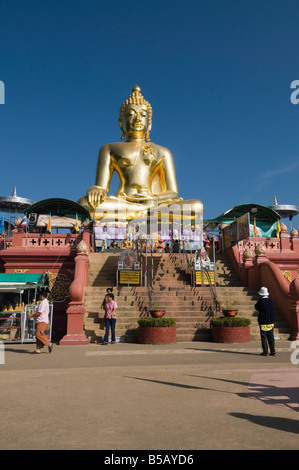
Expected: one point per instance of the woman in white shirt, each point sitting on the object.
(42, 319)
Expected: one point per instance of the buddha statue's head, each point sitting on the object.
(135, 116)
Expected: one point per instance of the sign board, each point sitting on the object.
(201, 278)
(56, 221)
(236, 231)
(128, 257)
(129, 277)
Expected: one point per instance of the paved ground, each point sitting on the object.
(187, 396)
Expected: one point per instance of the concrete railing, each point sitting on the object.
(259, 262)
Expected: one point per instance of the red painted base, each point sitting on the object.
(231, 334)
(74, 334)
(73, 340)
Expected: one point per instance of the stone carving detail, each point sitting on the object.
(59, 287)
(260, 249)
(82, 247)
(247, 254)
(287, 275)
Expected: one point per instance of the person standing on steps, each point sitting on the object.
(110, 318)
(109, 290)
(265, 307)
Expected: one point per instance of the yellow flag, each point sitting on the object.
(77, 225)
(254, 228)
(49, 226)
(277, 229)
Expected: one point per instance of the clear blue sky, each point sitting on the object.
(217, 74)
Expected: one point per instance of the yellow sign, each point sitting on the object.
(198, 278)
(129, 277)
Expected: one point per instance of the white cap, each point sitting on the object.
(263, 291)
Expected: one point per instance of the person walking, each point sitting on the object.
(110, 318)
(41, 320)
(265, 307)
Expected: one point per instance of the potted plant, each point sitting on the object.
(230, 329)
(156, 330)
(156, 311)
(230, 309)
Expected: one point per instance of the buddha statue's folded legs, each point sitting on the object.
(119, 208)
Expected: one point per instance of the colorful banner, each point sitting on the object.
(236, 231)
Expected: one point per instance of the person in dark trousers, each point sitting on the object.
(110, 318)
(265, 307)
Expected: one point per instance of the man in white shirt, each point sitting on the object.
(42, 319)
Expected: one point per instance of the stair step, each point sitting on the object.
(191, 306)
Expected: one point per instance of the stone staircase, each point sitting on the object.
(192, 307)
(229, 287)
(171, 289)
(102, 274)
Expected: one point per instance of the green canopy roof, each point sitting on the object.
(15, 282)
(257, 211)
(60, 207)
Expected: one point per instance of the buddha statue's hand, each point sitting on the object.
(139, 195)
(166, 196)
(96, 196)
(139, 198)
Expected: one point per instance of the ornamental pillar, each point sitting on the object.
(86, 238)
(294, 241)
(284, 238)
(260, 257)
(246, 267)
(75, 311)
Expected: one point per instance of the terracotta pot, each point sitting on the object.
(158, 313)
(230, 312)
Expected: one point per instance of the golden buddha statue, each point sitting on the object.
(146, 170)
(127, 243)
